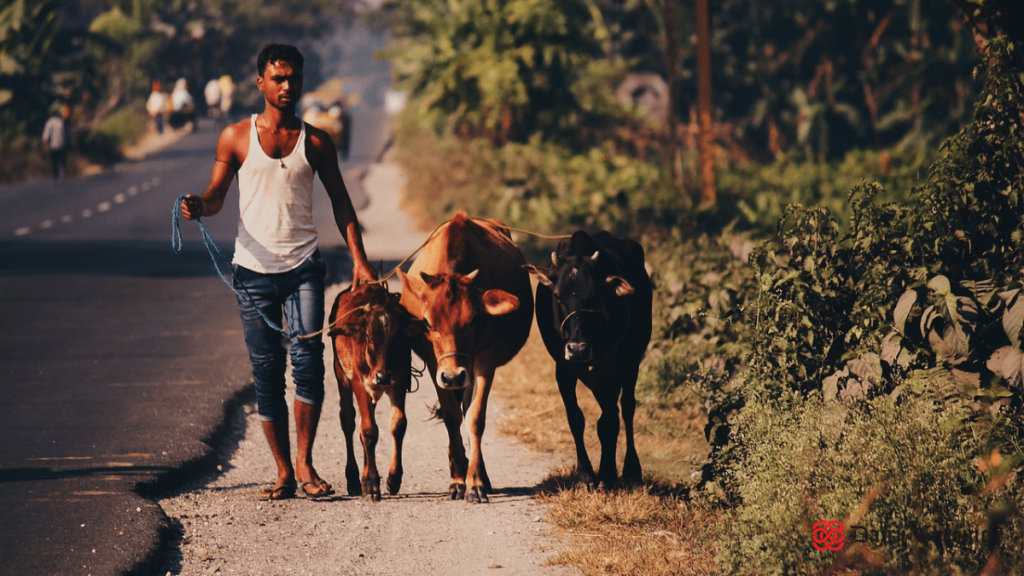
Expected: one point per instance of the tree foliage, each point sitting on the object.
(501, 69)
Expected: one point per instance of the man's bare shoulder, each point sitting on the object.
(318, 137)
(319, 146)
(238, 130)
(234, 142)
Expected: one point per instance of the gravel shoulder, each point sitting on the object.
(218, 525)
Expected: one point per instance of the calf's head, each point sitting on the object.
(582, 285)
(371, 332)
(455, 318)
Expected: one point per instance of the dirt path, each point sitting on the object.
(225, 530)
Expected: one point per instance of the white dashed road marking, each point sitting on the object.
(88, 212)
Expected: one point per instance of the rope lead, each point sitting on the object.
(221, 264)
(220, 258)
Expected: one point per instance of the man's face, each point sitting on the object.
(281, 84)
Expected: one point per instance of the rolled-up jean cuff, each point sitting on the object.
(308, 400)
(270, 418)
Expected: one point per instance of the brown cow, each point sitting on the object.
(372, 354)
(469, 287)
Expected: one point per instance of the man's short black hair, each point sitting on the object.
(278, 53)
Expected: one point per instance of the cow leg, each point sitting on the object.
(368, 434)
(631, 471)
(398, 427)
(451, 413)
(347, 414)
(477, 482)
(567, 388)
(607, 395)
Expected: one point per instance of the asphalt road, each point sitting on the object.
(120, 361)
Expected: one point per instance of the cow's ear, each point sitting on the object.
(430, 279)
(542, 274)
(499, 302)
(414, 286)
(619, 285)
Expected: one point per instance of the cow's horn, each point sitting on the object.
(594, 257)
(554, 259)
(472, 275)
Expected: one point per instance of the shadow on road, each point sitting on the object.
(149, 259)
(103, 257)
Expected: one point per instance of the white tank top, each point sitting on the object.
(275, 223)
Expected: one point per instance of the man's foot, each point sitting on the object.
(318, 488)
(277, 493)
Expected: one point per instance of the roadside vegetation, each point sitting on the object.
(837, 334)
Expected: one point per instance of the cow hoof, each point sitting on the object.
(588, 481)
(371, 490)
(476, 495)
(632, 476)
(354, 484)
(457, 491)
(394, 483)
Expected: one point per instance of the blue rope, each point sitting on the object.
(219, 260)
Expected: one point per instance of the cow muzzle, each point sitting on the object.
(579, 351)
(453, 379)
(378, 385)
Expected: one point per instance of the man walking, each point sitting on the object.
(55, 137)
(277, 264)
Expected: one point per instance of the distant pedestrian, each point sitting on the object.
(227, 96)
(183, 107)
(156, 106)
(55, 136)
(212, 96)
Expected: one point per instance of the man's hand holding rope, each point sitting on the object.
(192, 207)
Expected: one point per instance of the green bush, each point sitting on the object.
(907, 472)
(885, 374)
(760, 193)
(540, 186)
(701, 330)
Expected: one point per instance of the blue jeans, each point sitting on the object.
(300, 293)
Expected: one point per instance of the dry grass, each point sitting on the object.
(642, 530)
(645, 530)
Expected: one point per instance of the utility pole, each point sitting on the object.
(706, 139)
(671, 70)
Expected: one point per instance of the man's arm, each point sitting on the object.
(224, 170)
(326, 165)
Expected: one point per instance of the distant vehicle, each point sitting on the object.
(329, 108)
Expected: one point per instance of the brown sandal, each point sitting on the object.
(323, 489)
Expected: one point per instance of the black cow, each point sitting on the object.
(594, 313)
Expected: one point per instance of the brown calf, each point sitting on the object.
(371, 358)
